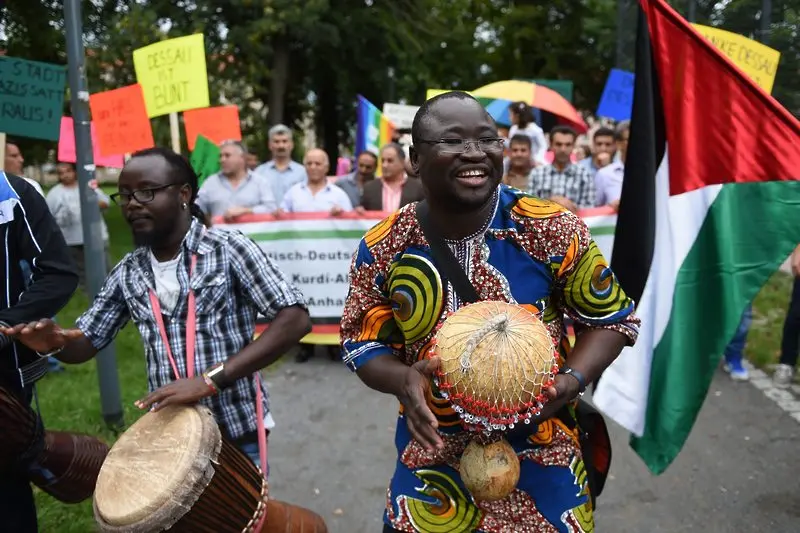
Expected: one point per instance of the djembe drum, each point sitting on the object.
(63, 464)
(496, 360)
(173, 470)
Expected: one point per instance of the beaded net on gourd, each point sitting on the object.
(496, 361)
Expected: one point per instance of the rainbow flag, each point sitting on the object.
(373, 130)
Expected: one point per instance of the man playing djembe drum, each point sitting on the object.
(186, 285)
(514, 248)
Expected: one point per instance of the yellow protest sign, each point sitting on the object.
(758, 61)
(173, 75)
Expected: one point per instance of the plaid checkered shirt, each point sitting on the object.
(233, 281)
(574, 183)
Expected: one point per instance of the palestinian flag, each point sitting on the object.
(710, 210)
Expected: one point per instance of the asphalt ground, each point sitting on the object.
(332, 451)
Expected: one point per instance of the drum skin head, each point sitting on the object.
(157, 469)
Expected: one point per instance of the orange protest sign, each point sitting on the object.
(217, 124)
(121, 121)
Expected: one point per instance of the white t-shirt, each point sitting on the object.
(538, 140)
(65, 206)
(168, 289)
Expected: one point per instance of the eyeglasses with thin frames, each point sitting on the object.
(459, 146)
(143, 196)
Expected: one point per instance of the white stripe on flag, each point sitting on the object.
(623, 391)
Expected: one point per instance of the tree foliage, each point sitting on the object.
(290, 61)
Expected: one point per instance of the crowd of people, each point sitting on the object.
(480, 187)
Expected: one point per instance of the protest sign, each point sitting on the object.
(121, 121)
(204, 159)
(216, 124)
(66, 147)
(31, 98)
(314, 250)
(758, 61)
(173, 75)
(617, 99)
(402, 116)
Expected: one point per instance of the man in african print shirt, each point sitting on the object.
(514, 248)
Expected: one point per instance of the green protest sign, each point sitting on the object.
(31, 98)
(205, 158)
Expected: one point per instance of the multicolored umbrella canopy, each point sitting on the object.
(496, 97)
(535, 95)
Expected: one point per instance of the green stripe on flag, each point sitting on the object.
(749, 230)
(307, 234)
(602, 230)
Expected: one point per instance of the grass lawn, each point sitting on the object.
(70, 400)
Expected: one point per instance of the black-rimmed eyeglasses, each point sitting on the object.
(143, 196)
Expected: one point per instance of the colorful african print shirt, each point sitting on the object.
(533, 253)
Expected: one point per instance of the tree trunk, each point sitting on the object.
(279, 80)
(329, 116)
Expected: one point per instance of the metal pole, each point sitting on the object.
(766, 16)
(692, 16)
(93, 246)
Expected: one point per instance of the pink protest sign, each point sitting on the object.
(66, 147)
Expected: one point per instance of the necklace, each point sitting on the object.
(471, 237)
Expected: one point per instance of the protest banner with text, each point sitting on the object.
(66, 147)
(173, 75)
(314, 251)
(758, 61)
(31, 98)
(217, 124)
(120, 119)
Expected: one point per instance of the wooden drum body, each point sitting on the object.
(63, 464)
(172, 470)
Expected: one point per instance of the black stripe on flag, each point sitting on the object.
(634, 238)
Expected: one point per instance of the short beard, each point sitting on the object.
(144, 239)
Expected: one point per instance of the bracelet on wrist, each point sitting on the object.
(51, 353)
(211, 385)
(217, 376)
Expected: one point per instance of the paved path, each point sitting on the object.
(333, 452)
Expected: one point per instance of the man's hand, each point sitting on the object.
(565, 202)
(43, 336)
(614, 204)
(236, 212)
(419, 418)
(564, 390)
(360, 210)
(336, 211)
(181, 392)
(795, 260)
(278, 213)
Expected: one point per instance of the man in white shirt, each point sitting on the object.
(315, 194)
(281, 172)
(64, 202)
(608, 180)
(235, 190)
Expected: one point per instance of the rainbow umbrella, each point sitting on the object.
(537, 96)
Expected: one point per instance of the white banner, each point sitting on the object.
(402, 116)
(315, 253)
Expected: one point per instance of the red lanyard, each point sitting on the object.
(191, 326)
